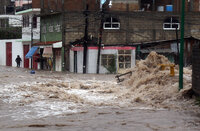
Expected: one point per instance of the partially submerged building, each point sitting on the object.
(10, 33)
(30, 30)
(86, 38)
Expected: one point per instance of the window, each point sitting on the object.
(26, 21)
(124, 59)
(34, 22)
(4, 23)
(111, 23)
(107, 60)
(171, 23)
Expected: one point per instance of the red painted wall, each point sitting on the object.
(26, 61)
(8, 53)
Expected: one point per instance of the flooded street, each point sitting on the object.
(51, 101)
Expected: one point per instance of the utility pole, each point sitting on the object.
(177, 44)
(182, 46)
(63, 35)
(100, 35)
(100, 39)
(32, 40)
(85, 40)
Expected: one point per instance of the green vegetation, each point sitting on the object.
(11, 33)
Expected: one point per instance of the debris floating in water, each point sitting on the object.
(148, 84)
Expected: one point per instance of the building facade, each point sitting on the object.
(10, 48)
(126, 23)
(7, 7)
(53, 27)
(30, 30)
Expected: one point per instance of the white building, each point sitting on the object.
(9, 49)
(30, 32)
(113, 59)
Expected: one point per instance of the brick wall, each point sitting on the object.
(134, 27)
(75, 25)
(196, 69)
(69, 5)
(139, 27)
(124, 6)
(192, 5)
(35, 3)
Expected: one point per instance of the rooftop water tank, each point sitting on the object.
(160, 8)
(169, 7)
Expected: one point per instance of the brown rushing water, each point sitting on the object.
(63, 101)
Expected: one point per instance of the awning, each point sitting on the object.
(31, 52)
(47, 52)
(57, 45)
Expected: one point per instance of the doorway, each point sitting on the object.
(8, 53)
(75, 61)
(26, 61)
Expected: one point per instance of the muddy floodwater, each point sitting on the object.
(52, 101)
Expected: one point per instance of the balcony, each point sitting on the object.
(23, 7)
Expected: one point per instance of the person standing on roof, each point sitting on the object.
(18, 60)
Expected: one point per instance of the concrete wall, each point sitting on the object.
(58, 63)
(80, 61)
(2, 52)
(92, 60)
(133, 58)
(71, 59)
(17, 49)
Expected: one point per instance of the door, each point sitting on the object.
(75, 61)
(26, 61)
(58, 60)
(35, 62)
(9, 54)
